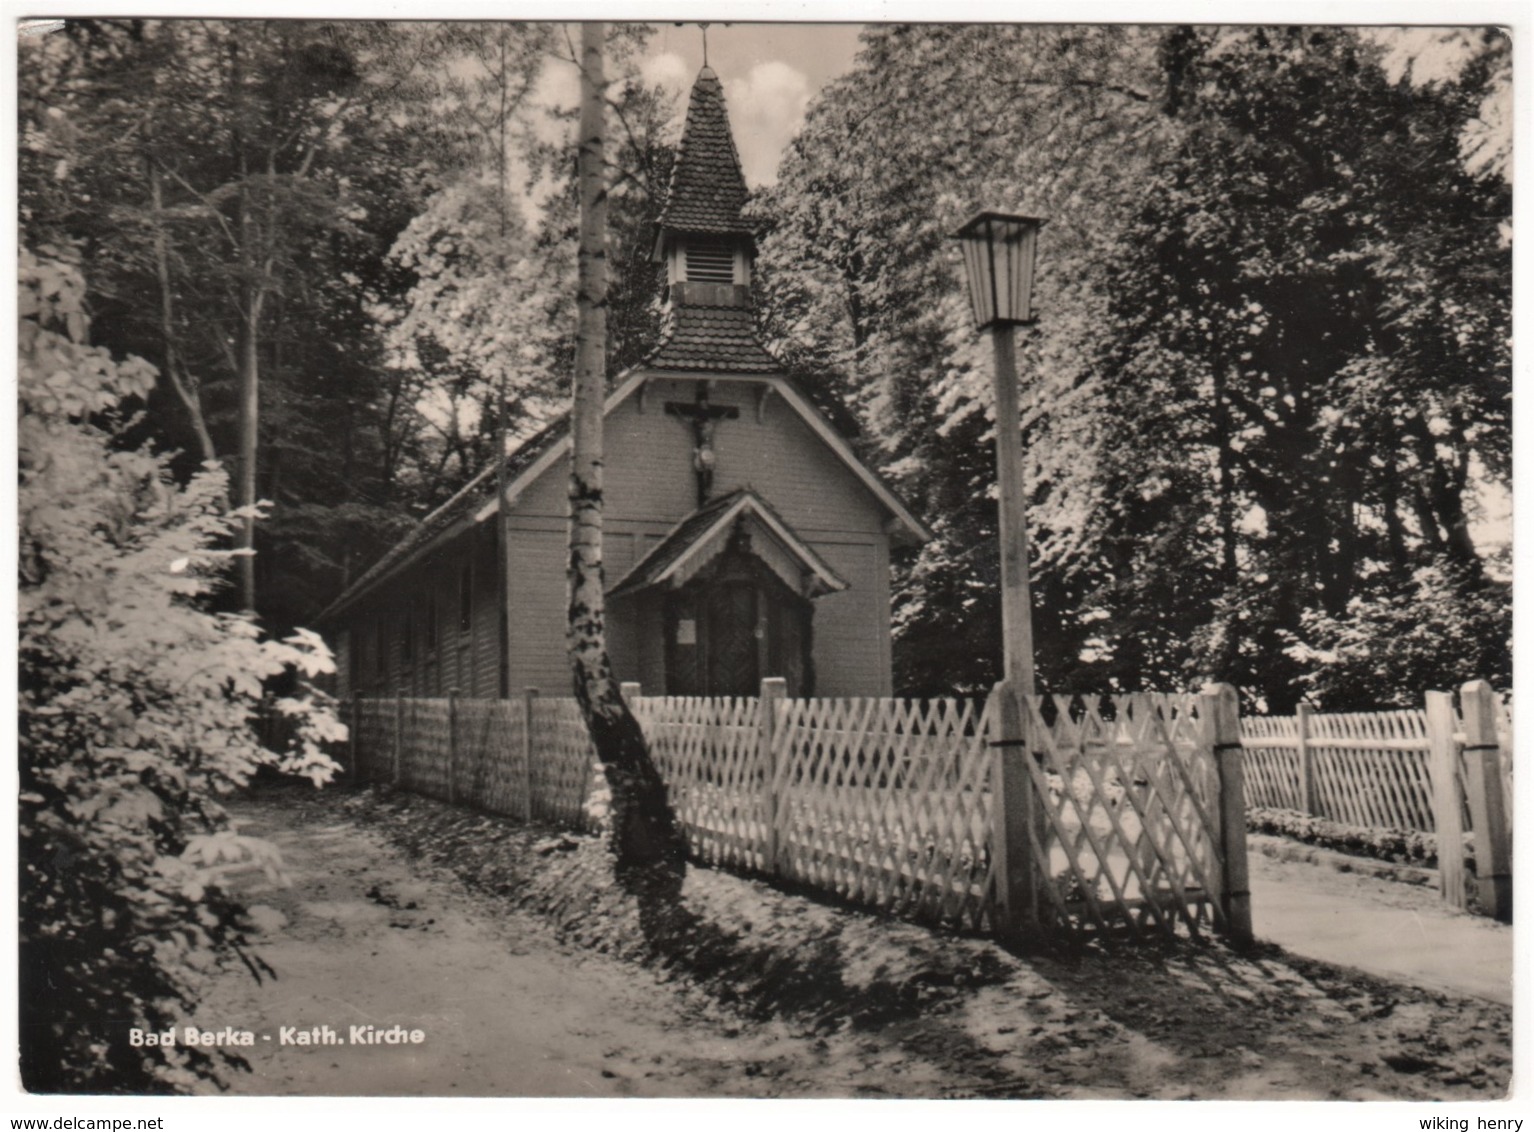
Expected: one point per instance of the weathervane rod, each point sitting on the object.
(703, 27)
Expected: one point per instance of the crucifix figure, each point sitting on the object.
(704, 418)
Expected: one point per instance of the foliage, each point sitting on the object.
(1438, 631)
(236, 185)
(490, 310)
(1271, 374)
(1309, 340)
(1402, 846)
(934, 123)
(135, 716)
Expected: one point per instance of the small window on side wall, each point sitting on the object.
(431, 623)
(380, 649)
(406, 641)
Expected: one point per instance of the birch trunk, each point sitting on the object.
(645, 840)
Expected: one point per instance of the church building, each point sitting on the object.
(743, 537)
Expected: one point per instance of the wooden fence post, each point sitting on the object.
(1488, 809)
(1222, 711)
(1013, 791)
(529, 701)
(353, 749)
(1443, 773)
(774, 691)
(631, 690)
(1306, 760)
(452, 746)
(399, 735)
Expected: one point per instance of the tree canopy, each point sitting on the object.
(1266, 396)
(1271, 374)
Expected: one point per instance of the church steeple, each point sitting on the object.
(707, 248)
(702, 237)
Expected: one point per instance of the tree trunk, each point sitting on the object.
(186, 389)
(645, 840)
(249, 356)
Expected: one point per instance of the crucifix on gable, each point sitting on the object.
(704, 418)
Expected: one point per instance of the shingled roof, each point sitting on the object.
(707, 525)
(708, 189)
(719, 339)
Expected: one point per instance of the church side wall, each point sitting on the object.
(462, 657)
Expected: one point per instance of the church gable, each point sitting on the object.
(774, 443)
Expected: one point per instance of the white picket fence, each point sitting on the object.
(1437, 769)
(887, 803)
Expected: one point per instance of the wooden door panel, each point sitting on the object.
(734, 667)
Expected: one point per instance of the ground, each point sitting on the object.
(1390, 928)
(503, 946)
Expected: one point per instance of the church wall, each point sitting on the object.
(539, 553)
(341, 643)
(464, 658)
(651, 486)
(852, 634)
(486, 680)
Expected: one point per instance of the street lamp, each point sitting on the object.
(999, 255)
(1000, 250)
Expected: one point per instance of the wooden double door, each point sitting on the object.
(726, 632)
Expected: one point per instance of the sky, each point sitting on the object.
(769, 71)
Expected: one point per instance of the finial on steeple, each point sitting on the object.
(703, 27)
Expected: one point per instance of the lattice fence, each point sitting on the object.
(708, 752)
(1132, 829)
(1372, 769)
(426, 766)
(887, 803)
(1382, 770)
(477, 753)
(564, 763)
(1273, 771)
(493, 768)
(1369, 769)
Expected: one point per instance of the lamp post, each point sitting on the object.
(1000, 251)
(999, 255)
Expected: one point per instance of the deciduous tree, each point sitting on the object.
(646, 842)
(134, 720)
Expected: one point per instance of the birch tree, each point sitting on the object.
(645, 840)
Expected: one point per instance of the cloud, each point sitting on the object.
(558, 87)
(766, 110)
(668, 71)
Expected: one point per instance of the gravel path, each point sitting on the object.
(364, 937)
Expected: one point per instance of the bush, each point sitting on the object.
(135, 714)
(1401, 846)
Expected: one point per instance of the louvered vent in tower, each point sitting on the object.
(710, 263)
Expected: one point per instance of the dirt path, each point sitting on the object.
(1400, 931)
(366, 938)
(368, 935)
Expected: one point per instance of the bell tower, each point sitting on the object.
(701, 238)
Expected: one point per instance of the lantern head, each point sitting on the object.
(1000, 250)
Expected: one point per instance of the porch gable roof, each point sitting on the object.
(705, 531)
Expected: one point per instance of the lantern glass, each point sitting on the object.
(1000, 250)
